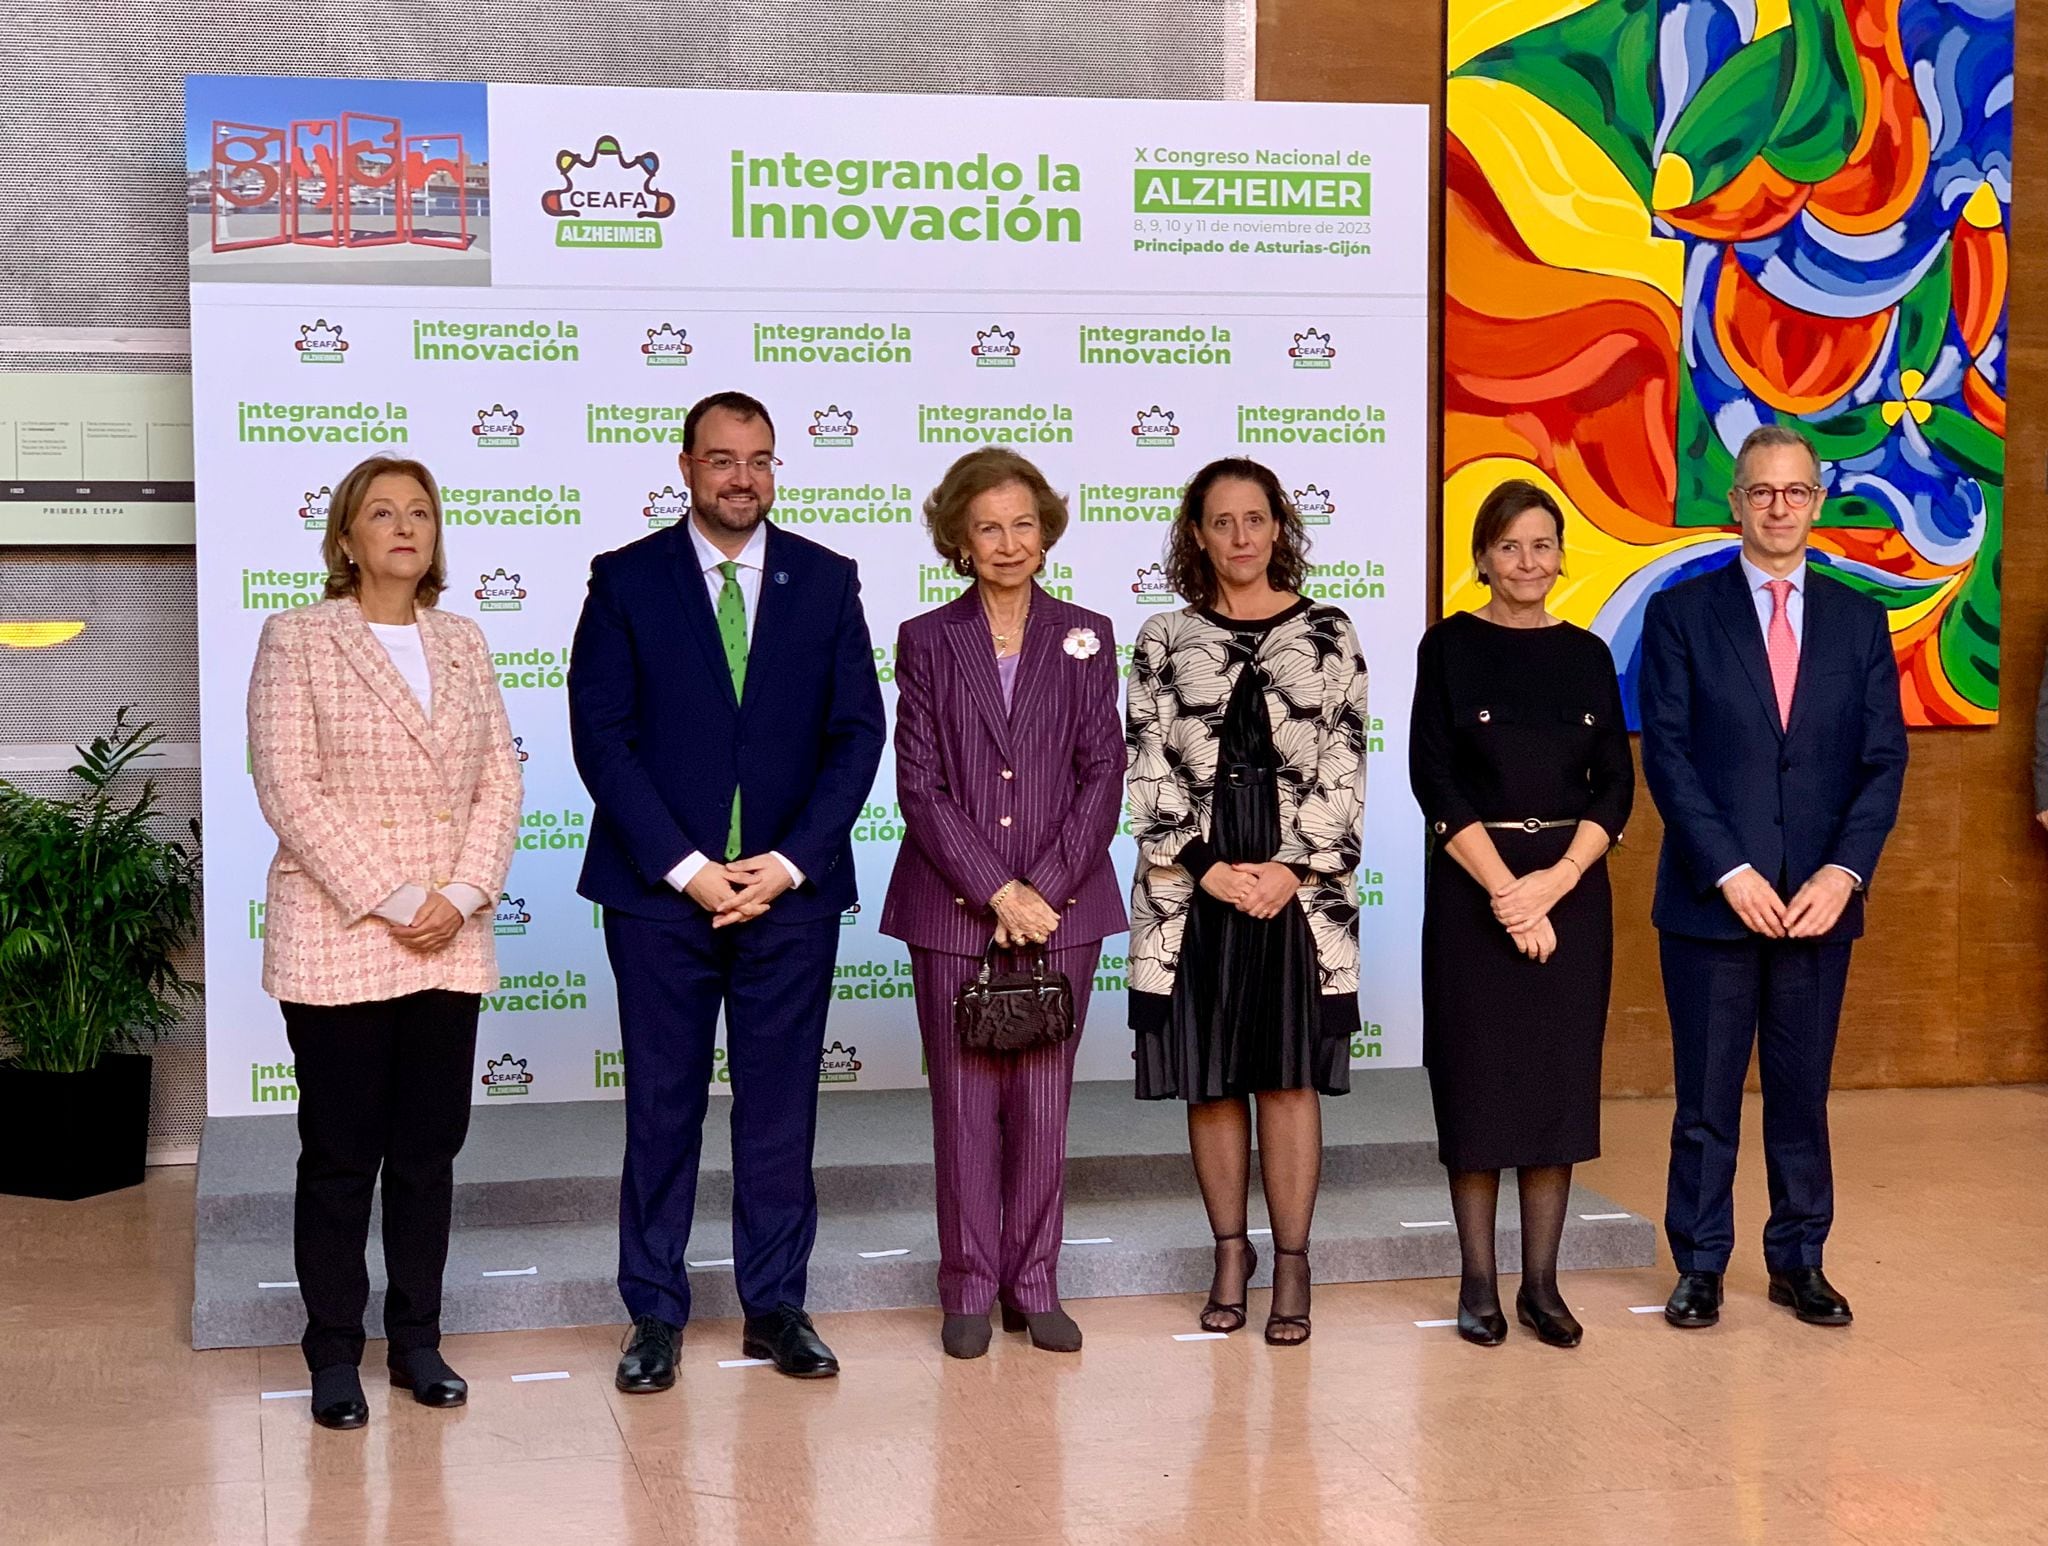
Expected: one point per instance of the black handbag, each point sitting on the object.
(1014, 1010)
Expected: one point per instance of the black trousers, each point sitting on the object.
(382, 1086)
(1784, 997)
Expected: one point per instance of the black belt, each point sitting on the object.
(1531, 824)
(1241, 774)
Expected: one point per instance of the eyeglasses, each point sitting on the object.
(762, 466)
(1797, 495)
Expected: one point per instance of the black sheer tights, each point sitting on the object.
(1291, 1165)
(1545, 1194)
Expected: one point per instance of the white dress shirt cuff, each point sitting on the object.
(1733, 873)
(1850, 873)
(402, 905)
(465, 897)
(685, 872)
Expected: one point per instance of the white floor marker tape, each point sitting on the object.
(723, 1261)
(1095, 1240)
(1600, 1217)
(551, 1374)
(744, 1363)
(1200, 1336)
(290, 1283)
(1644, 1309)
(512, 1272)
(901, 1250)
(1427, 1325)
(285, 1395)
(1427, 1224)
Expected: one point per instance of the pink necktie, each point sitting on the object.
(1782, 648)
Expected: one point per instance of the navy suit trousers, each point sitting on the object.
(1782, 997)
(774, 983)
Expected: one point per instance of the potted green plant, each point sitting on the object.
(94, 906)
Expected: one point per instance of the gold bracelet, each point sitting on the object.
(1001, 891)
(1568, 859)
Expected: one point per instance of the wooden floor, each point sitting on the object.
(1926, 1423)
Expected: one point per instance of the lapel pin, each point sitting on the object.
(782, 577)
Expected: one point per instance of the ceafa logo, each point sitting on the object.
(996, 347)
(519, 749)
(511, 916)
(506, 1075)
(321, 344)
(607, 198)
(314, 511)
(667, 345)
(850, 917)
(1314, 505)
(1150, 587)
(665, 506)
(832, 426)
(1155, 427)
(499, 592)
(1312, 351)
(497, 427)
(838, 1065)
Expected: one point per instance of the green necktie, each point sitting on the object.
(732, 632)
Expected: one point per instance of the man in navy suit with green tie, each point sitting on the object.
(1775, 749)
(726, 719)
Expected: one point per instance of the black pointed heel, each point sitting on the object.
(1482, 1330)
(1553, 1330)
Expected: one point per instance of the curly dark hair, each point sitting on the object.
(1188, 569)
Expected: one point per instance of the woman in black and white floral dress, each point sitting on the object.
(1246, 733)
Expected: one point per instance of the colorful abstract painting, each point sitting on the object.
(1670, 221)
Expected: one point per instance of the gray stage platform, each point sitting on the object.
(536, 1209)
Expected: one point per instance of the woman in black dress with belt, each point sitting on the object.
(1520, 761)
(1247, 733)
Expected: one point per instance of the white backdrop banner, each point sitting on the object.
(526, 287)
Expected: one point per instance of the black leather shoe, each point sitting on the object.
(1553, 1330)
(1482, 1330)
(649, 1361)
(1811, 1296)
(786, 1337)
(422, 1371)
(1696, 1301)
(338, 1397)
(1052, 1331)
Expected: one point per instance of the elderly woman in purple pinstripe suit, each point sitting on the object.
(1009, 770)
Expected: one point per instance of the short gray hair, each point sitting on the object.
(1764, 436)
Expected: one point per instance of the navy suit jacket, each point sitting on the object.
(661, 740)
(989, 794)
(1734, 787)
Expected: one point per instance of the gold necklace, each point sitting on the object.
(1017, 628)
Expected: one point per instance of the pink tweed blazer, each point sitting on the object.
(365, 794)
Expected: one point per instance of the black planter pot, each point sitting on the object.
(68, 1136)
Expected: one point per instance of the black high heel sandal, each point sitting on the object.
(1276, 1321)
(1215, 1307)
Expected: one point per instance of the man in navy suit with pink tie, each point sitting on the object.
(726, 719)
(1774, 746)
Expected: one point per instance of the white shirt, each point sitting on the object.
(750, 560)
(408, 652)
(1795, 614)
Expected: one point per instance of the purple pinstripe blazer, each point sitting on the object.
(990, 796)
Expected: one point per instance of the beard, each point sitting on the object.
(726, 518)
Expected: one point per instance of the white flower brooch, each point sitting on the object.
(1081, 643)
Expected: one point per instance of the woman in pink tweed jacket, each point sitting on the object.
(384, 762)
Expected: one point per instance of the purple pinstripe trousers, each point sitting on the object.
(999, 1143)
